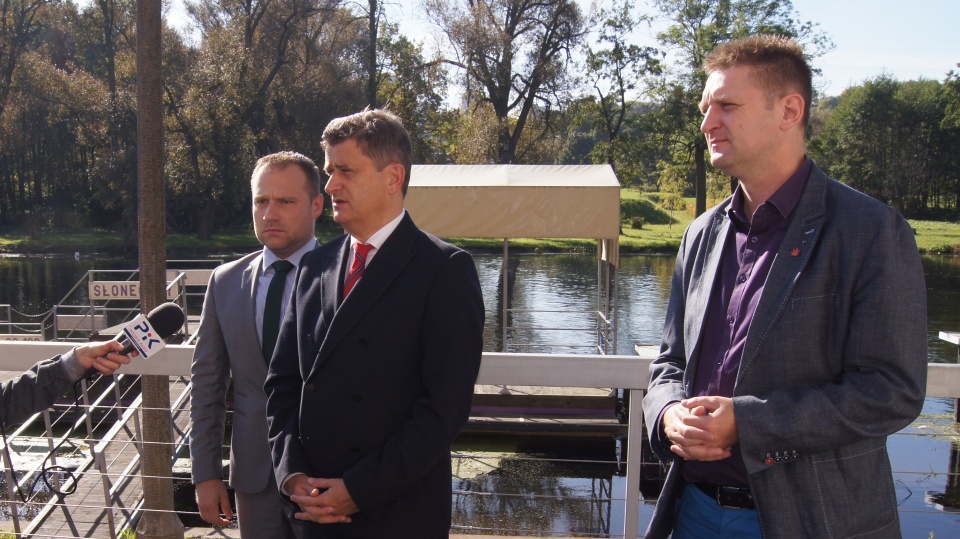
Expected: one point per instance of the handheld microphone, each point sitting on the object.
(146, 334)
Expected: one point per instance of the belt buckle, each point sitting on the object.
(731, 497)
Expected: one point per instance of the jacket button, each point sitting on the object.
(308, 387)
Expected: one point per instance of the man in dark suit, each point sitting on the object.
(374, 370)
(234, 344)
(795, 336)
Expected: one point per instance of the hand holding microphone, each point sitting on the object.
(102, 357)
(143, 336)
(146, 334)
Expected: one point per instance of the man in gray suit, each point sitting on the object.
(795, 336)
(234, 342)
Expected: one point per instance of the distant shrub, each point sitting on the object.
(637, 223)
(644, 209)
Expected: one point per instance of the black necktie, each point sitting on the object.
(271, 307)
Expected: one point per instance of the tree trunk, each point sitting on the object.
(158, 521)
(205, 222)
(371, 53)
(505, 146)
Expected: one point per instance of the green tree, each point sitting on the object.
(616, 69)
(886, 139)
(413, 88)
(697, 26)
(950, 128)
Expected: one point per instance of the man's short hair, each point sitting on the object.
(380, 135)
(778, 63)
(281, 160)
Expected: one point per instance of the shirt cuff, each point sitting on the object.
(659, 436)
(283, 485)
(71, 365)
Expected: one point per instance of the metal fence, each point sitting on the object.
(98, 447)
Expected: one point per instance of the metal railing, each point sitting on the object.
(15, 325)
(111, 458)
(103, 299)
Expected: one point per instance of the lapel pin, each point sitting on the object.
(795, 251)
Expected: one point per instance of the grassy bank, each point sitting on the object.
(659, 232)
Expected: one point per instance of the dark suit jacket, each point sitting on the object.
(835, 360)
(38, 388)
(376, 389)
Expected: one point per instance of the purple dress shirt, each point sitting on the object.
(740, 282)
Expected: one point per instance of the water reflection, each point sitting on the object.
(565, 283)
(514, 485)
(554, 300)
(950, 497)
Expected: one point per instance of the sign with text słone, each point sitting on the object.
(104, 290)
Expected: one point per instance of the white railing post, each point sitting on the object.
(11, 482)
(631, 520)
(107, 498)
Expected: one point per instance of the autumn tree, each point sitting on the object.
(230, 109)
(515, 56)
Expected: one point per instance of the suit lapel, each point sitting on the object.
(248, 286)
(700, 298)
(797, 246)
(387, 265)
(330, 292)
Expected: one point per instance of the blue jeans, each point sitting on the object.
(701, 517)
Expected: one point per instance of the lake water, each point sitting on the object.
(543, 485)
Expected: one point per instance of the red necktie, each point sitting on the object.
(356, 269)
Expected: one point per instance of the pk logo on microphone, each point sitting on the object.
(143, 337)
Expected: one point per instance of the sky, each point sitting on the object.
(906, 40)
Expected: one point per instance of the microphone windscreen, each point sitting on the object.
(166, 319)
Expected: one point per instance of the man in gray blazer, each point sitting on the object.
(795, 336)
(286, 203)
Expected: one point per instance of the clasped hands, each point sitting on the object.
(701, 428)
(325, 501)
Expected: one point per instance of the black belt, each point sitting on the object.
(729, 497)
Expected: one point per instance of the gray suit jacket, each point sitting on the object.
(835, 360)
(228, 346)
